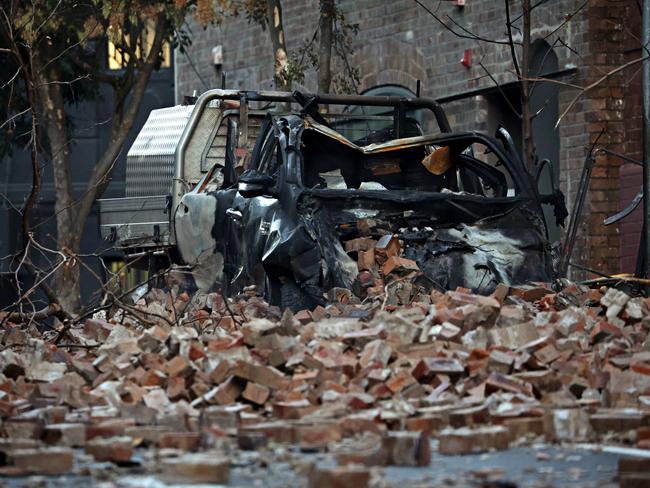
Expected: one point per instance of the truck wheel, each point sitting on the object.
(294, 298)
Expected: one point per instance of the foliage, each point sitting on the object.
(216, 11)
(69, 39)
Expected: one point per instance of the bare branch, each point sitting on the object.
(487, 72)
(596, 83)
(567, 19)
(101, 172)
(15, 116)
(51, 310)
(458, 34)
(510, 41)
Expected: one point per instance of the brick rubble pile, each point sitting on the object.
(198, 381)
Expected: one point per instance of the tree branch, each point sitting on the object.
(102, 171)
(458, 34)
(596, 83)
(513, 53)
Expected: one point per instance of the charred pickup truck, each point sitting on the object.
(240, 194)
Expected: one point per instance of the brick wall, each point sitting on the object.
(398, 42)
(631, 176)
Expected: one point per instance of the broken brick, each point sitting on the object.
(546, 354)
(350, 476)
(228, 391)
(68, 435)
(399, 381)
(466, 417)
(277, 431)
(375, 354)
(52, 461)
(263, 375)
(196, 468)
(388, 246)
(604, 330)
(395, 264)
(614, 420)
(567, 425)
(513, 336)
(255, 393)
(403, 448)
(466, 440)
(426, 423)
(426, 368)
(178, 366)
(318, 436)
(524, 427)
(292, 409)
(365, 381)
(530, 293)
(113, 449)
(366, 260)
(184, 441)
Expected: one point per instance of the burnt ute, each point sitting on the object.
(463, 205)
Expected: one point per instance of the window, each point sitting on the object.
(117, 59)
(462, 166)
(365, 125)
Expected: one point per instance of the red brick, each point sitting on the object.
(255, 393)
(114, 449)
(196, 468)
(340, 477)
(185, 441)
(52, 461)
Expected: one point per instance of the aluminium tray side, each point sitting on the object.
(135, 220)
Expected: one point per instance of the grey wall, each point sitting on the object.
(92, 131)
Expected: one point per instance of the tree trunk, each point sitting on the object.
(526, 115)
(52, 114)
(326, 24)
(71, 214)
(121, 125)
(281, 59)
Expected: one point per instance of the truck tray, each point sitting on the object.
(135, 220)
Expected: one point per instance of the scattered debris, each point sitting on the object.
(367, 383)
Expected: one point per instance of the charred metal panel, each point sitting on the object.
(194, 222)
(474, 220)
(481, 256)
(456, 240)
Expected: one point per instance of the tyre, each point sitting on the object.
(294, 298)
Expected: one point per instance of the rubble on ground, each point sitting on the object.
(371, 382)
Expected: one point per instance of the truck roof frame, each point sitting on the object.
(309, 103)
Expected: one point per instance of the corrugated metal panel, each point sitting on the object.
(150, 161)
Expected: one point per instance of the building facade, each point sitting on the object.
(574, 43)
(90, 136)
